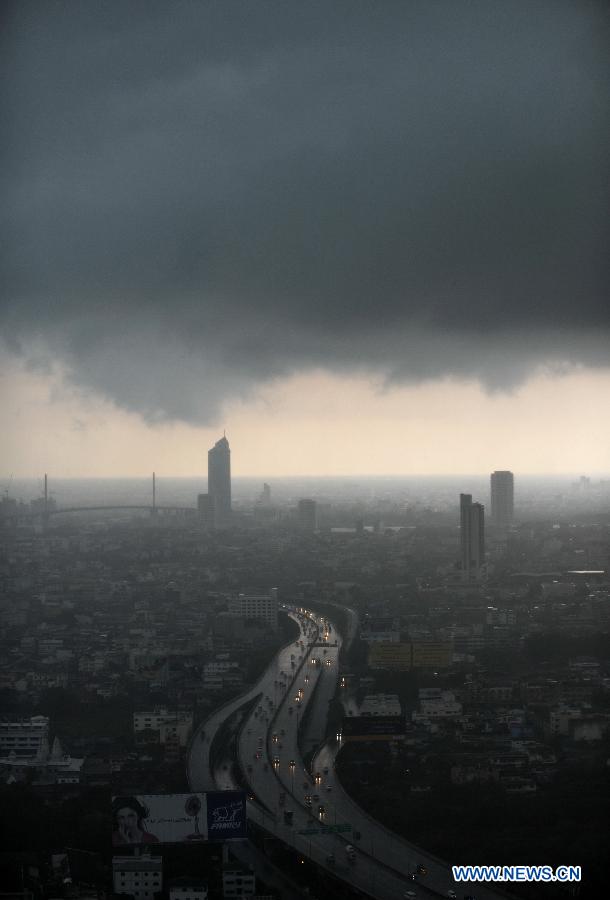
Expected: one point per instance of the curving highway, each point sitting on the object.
(311, 811)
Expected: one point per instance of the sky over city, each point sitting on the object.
(362, 237)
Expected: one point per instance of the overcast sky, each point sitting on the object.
(307, 223)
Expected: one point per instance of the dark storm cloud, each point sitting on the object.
(204, 196)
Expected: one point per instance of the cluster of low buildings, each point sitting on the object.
(122, 615)
(164, 618)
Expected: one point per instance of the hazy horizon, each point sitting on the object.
(441, 491)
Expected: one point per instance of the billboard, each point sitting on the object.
(402, 656)
(373, 728)
(390, 655)
(178, 818)
(226, 815)
(432, 654)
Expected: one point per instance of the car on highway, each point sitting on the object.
(258, 755)
(451, 894)
(330, 859)
(421, 870)
(321, 812)
(350, 852)
(291, 764)
(308, 799)
(276, 762)
(328, 788)
(409, 895)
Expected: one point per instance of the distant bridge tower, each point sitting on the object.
(154, 503)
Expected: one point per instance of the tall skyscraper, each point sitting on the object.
(308, 515)
(502, 499)
(472, 538)
(219, 481)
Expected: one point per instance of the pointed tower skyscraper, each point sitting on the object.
(219, 480)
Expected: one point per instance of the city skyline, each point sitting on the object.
(351, 258)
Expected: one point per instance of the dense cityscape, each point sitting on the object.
(305, 453)
(457, 660)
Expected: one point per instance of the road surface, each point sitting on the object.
(269, 754)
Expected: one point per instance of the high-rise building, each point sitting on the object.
(502, 499)
(308, 515)
(256, 606)
(472, 538)
(206, 511)
(219, 481)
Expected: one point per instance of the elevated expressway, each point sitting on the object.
(272, 765)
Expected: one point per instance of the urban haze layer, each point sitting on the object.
(379, 678)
